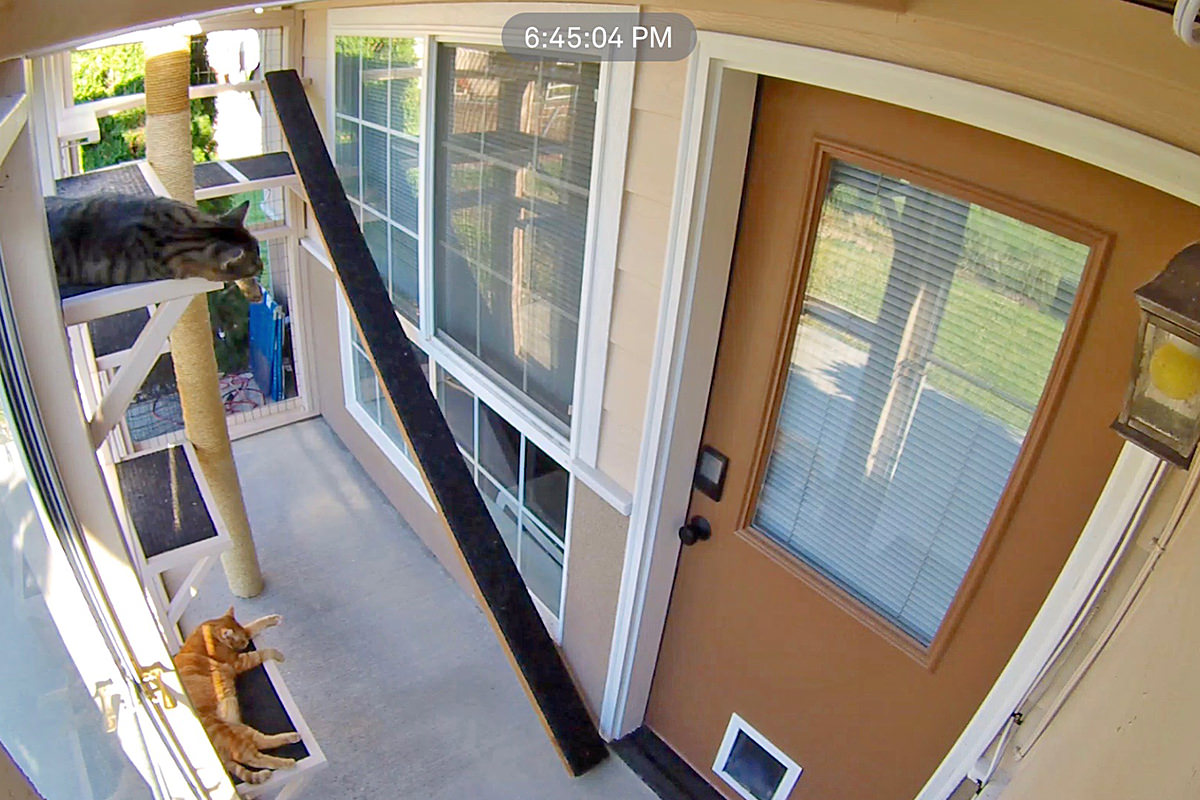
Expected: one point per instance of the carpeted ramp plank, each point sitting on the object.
(506, 600)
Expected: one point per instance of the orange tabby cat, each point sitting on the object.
(208, 662)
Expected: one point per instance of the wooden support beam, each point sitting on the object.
(506, 600)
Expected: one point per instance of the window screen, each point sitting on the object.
(513, 164)
(928, 330)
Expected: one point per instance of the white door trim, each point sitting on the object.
(718, 104)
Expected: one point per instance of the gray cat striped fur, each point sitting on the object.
(112, 239)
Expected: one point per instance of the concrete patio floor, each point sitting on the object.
(394, 667)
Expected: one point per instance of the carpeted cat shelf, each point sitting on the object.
(169, 152)
(505, 599)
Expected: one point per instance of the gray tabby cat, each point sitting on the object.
(113, 239)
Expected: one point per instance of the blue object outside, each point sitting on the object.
(267, 319)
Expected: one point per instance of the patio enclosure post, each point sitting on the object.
(169, 153)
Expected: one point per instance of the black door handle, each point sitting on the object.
(697, 530)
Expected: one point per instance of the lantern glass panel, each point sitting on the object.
(1166, 397)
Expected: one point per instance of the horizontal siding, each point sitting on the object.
(641, 260)
(642, 248)
(653, 140)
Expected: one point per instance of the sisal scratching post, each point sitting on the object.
(169, 151)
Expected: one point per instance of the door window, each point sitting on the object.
(928, 330)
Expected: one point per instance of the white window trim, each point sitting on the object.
(738, 725)
(718, 105)
(578, 450)
(370, 427)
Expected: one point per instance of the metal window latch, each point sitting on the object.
(155, 688)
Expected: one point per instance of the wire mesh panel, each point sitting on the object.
(155, 411)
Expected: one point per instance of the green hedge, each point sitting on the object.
(120, 70)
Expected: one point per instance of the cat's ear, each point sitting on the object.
(236, 215)
(229, 613)
(229, 255)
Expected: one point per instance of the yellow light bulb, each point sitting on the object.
(1174, 372)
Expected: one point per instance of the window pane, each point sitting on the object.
(404, 285)
(378, 165)
(499, 448)
(503, 508)
(366, 386)
(929, 327)
(458, 405)
(375, 81)
(546, 489)
(541, 562)
(405, 182)
(513, 160)
(405, 86)
(348, 66)
(375, 169)
(346, 153)
(375, 231)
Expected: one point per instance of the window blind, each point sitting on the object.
(513, 164)
(928, 330)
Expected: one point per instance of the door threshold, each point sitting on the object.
(661, 768)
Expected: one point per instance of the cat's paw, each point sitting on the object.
(258, 776)
(291, 762)
(291, 737)
(271, 654)
(262, 623)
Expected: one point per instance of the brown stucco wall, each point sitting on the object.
(597, 548)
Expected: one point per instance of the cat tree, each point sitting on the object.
(169, 152)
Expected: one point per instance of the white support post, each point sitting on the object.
(129, 378)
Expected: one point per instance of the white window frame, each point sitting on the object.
(552, 620)
(400, 460)
(578, 449)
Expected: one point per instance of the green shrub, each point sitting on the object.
(121, 70)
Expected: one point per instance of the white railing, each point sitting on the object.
(80, 123)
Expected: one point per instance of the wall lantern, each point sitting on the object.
(1162, 406)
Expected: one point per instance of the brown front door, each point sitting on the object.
(928, 331)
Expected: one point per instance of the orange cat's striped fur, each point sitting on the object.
(208, 662)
